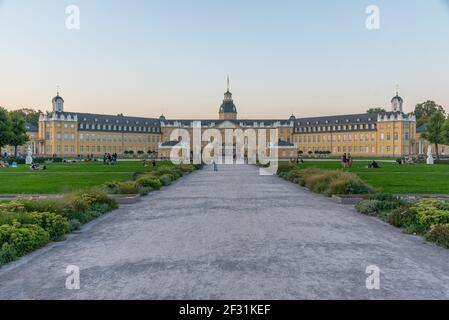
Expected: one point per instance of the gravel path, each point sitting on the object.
(233, 234)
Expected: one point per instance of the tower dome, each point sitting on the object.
(396, 103)
(58, 103)
(228, 110)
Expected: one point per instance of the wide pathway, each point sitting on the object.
(233, 234)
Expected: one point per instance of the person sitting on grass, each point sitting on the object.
(373, 165)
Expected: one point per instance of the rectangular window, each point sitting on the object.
(81, 136)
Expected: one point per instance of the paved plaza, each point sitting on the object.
(233, 234)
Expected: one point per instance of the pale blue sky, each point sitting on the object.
(145, 58)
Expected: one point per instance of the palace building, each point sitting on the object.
(71, 134)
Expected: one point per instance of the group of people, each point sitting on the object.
(4, 164)
(110, 158)
(346, 160)
(36, 166)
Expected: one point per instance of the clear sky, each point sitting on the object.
(145, 58)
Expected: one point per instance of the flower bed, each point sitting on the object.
(425, 217)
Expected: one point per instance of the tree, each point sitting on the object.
(434, 133)
(423, 111)
(445, 133)
(5, 128)
(376, 110)
(18, 129)
(31, 116)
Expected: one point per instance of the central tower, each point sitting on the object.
(228, 111)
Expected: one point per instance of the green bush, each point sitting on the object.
(56, 225)
(401, 217)
(330, 182)
(74, 225)
(382, 196)
(186, 168)
(369, 207)
(23, 239)
(173, 172)
(439, 233)
(127, 188)
(150, 181)
(430, 212)
(43, 205)
(165, 179)
(373, 207)
(143, 191)
(285, 167)
(7, 253)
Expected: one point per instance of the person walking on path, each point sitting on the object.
(215, 166)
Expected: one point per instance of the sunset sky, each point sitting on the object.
(145, 58)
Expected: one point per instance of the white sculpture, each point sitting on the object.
(430, 159)
(29, 158)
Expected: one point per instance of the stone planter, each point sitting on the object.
(125, 198)
(350, 199)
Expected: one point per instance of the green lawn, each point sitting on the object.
(64, 177)
(395, 178)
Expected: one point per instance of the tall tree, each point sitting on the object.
(18, 129)
(376, 110)
(423, 111)
(30, 115)
(446, 131)
(5, 128)
(434, 133)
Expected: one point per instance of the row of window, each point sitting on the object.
(337, 128)
(89, 149)
(109, 127)
(118, 137)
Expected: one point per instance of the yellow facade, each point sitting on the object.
(390, 134)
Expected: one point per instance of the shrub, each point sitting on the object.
(111, 187)
(56, 225)
(138, 174)
(332, 182)
(381, 196)
(127, 188)
(74, 225)
(97, 197)
(7, 253)
(150, 181)
(186, 168)
(44, 205)
(172, 172)
(430, 212)
(285, 167)
(439, 233)
(165, 179)
(373, 207)
(401, 217)
(143, 191)
(12, 207)
(23, 239)
(369, 207)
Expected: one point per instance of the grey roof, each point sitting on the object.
(57, 98)
(101, 119)
(30, 127)
(282, 143)
(228, 107)
(398, 98)
(422, 128)
(246, 122)
(338, 120)
(171, 143)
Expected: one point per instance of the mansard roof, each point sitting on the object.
(101, 119)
